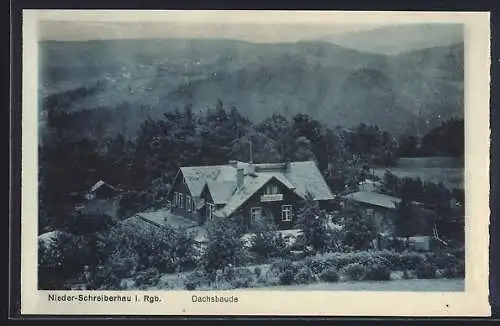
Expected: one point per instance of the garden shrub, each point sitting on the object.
(330, 275)
(105, 278)
(304, 276)
(318, 264)
(281, 265)
(123, 263)
(265, 242)
(242, 278)
(354, 271)
(450, 272)
(378, 272)
(426, 270)
(61, 259)
(225, 246)
(392, 259)
(406, 275)
(286, 277)
(148, 277)
(196, 279)
(168, 250)
(412, 260)
(457, 252)
(443, 260)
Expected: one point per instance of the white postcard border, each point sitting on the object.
(472, 302)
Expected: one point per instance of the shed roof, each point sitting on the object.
(373, 198)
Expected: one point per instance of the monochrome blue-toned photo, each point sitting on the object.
(220, 156)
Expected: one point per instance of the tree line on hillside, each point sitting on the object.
(448, 205)
(447, 139)
(145, 165)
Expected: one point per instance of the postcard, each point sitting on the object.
(319, 163)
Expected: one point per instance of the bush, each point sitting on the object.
(426, 270)
(312, 220)
(123, 263)
(450, 272)
(359, 229)
(340, 260)
(317, 264)
(225, 246)
(149, 277)
(412, 260)
(282, 265)
(265, 242)
(105, 278)
(392, 259)
(378, 272)
(286, 277)
(257, 271)
(330, 275)
(61, 258)
(354, 271)
(167, 250)
(196, 279)
(243, 278)
(406, 275)
(443, 260)
(304, 276)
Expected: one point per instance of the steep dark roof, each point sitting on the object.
(304, 178)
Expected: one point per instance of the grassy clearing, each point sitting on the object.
(447, 170)
(417, 285)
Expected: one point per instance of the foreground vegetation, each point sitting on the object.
(148, 256)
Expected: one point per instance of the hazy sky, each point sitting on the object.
(256, 32)
(254, 26)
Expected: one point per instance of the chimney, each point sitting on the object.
(251, 169)
(239, 177)
(287, 166)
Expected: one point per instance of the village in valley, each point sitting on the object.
(201, 196)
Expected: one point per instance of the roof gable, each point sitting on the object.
(304, 178)
(242, 195)
(220, 191)
(197, 176)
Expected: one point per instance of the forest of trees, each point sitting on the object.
(446, 139)
(145, 165)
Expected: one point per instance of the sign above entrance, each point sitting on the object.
(273, 197)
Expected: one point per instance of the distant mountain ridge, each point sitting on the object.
(400, 38)
(412, 91)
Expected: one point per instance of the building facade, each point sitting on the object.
(252, 191)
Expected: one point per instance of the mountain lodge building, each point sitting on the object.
(251, 190)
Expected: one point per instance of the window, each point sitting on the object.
(193, 206)
(271, 190)
(181, 200)
(255, 212)
(210, 210)
(176, 199)
(286, 213)
(369, 211)
(189, 204)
